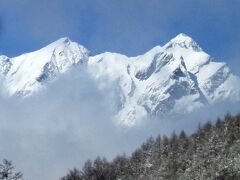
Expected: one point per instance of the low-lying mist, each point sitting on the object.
(71, 120)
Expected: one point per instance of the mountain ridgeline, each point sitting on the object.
(177, 78)
(212, 153)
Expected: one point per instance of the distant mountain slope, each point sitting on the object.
(212, 153)
(26, 74)
(176, 78)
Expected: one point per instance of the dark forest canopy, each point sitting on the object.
(213, 152)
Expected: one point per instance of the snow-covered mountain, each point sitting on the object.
(178, 77)
(28, 73)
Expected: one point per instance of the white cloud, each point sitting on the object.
(47, 134)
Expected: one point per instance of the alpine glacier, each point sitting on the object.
(178, 77)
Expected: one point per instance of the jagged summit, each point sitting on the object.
(181, 37)
(185, 47)
(184, 41)
(62, 40)
(59, 44)
(27, 73)
(174, 79)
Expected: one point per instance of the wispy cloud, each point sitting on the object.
(69, 122)
(47, 134)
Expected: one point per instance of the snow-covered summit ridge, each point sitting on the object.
(28, 73)
(184, 41)
(178, 77)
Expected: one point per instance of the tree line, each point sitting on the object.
(211, 153)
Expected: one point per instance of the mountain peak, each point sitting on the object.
(175, 79)
(60, 42)
(64, 40)
(182, 38)
(184, 41)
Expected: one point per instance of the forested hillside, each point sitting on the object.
(213, 152)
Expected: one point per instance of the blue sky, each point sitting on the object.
(130, 27)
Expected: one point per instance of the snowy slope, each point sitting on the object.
(148, 84)
(27, 73)
(176, 78)
(215, 78)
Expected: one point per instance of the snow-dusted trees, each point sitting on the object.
(100, 169)
(7, 171)
(74, 174)
(213, 152)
